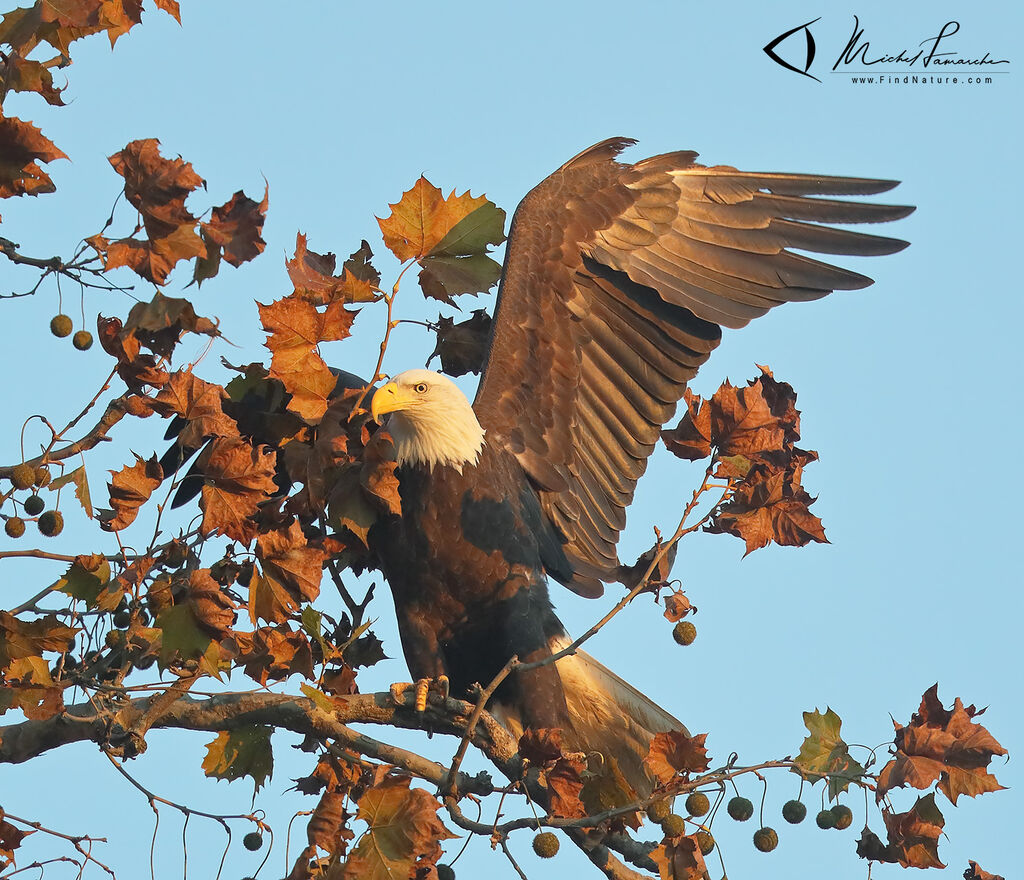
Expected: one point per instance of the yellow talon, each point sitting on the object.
(422, 686)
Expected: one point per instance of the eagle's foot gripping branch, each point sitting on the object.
(423, 686)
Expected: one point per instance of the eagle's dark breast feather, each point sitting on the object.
(466, 562)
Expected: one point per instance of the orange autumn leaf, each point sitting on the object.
(377, 475)
(29, 686)
(296, 327)
(448, 237)
(914, 835)
(326, 827)
(212, 607)
(10, 839)
(20, 74)
(157, 187)
(565, 784)
(404, 831)
(677, 606)
(153, 259)
(160, 323)
(741, 421)
(674, 752)
(287, 557)
(680, 859)
(767, 506)
(273, 653)
(238, 476)
(236, 228)
(976, 872)
(22, 147)
(423, 217)
(691, 438)
(171, 7)
(130, 488)
(945, 745)
(314, 278)
(23, 639)
(198, 402)
(58, 24)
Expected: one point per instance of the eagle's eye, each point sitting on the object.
(420, 387)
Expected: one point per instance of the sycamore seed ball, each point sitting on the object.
(684, 632)
(42, 476)
(657, 811)
(252, 841)
(23, 476)
(794, 812)
(82, 340)
(51, 523)
(673, 825)
(697, 804)
(765, 839)
(740, 808)
(706, 842)
(825, 819)
(61, 326)
(34, 505)
(545, 844)
(445, 872)
(843, 816)
(15, 527)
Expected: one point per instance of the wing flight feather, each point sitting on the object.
(618, 279)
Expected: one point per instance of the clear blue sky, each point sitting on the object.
(909, 389)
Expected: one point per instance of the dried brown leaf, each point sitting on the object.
(130, 488)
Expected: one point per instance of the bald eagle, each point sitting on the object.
(616, 283)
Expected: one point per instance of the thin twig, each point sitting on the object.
(478, 710)
(75, 841)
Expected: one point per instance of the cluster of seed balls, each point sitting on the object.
(50, 522)
(61, 326)
(741, 809)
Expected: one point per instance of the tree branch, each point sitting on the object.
(81, 723)
(114, 412)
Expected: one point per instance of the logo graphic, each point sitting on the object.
(769, 50)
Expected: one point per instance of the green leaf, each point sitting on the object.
(319, 698)
(242, 752)
(181, 635)
(86, 581)
(348, 507)
(78, 477)
(473, 233)
(444, 277)
(824, 754)
(311, 623)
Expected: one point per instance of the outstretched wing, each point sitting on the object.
(617, 281)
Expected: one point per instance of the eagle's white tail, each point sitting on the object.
(609, 716)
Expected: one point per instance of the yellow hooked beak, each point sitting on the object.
(387, 399)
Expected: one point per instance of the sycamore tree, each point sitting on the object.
(208, 599)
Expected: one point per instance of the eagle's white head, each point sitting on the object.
(431, 421)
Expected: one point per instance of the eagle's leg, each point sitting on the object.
(423, 687)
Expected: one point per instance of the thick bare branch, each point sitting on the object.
(82, 723)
